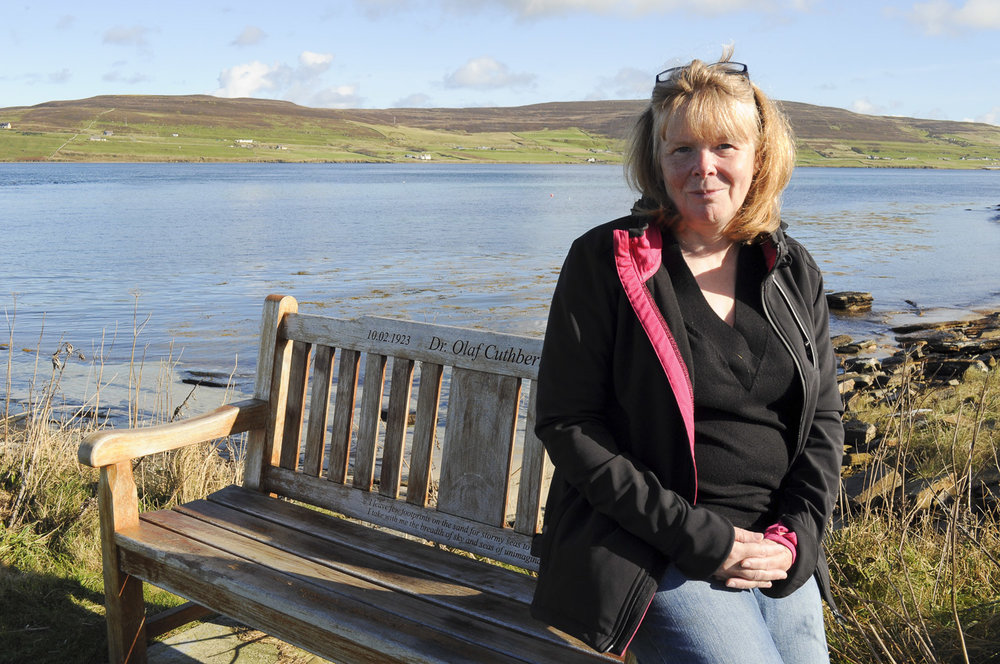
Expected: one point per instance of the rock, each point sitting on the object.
(948, 369)
(839, 340)
(857, 459)
(844, 345)
(852, 400)
(926, 494)
(872, 486)
(857, 433)
(205, 378)
(862, 364)
(852, 381)
(986, 490)
(850, 301)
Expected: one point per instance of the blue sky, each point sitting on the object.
(918, 58)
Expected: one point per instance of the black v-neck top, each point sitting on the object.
(745, 394)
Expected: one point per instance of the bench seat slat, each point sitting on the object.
(304, 560)
(312, 617)
(504, 605)
(488, 578)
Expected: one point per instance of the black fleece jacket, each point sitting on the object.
(622, 502)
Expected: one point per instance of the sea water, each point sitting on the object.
(157, 261)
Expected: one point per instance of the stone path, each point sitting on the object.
(223, 641)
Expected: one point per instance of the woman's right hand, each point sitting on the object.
(754, 562)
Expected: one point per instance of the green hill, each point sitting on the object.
(205, 128)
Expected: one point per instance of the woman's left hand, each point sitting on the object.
(754, 562)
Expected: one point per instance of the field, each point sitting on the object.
(202, 128)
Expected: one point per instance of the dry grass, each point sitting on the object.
(50, 559)
(922, 584)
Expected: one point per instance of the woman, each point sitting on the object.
(687, 397)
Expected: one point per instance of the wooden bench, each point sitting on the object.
(344, 537)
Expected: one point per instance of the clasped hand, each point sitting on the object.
(754, 562)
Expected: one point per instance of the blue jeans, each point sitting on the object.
(702, 622)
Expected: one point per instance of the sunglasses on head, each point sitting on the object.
(737, 68)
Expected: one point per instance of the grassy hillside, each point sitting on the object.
(205, 128)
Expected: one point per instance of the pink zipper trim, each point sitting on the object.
(637, 259)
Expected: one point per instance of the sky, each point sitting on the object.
(918, 58)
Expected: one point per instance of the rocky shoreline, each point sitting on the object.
(927, 356)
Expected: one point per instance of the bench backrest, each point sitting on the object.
(344, 436)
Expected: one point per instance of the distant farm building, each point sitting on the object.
(108, 132)
(5, 125)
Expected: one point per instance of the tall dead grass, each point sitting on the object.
(916, 564)
(50, 557)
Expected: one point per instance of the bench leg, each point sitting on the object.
(124, 607)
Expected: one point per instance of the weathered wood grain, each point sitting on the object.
(397, 415)
(369, 422)
(271, 353)
(104, 448)
(502, 544)
(478, 444)
(531, 486)
(350, 533)
(343, 415)
(319, 405)
(298, 377)
(506, 354)
(418, 487)
(317, 619)
(125, 612)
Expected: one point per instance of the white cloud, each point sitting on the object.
(866, 107)
(941, 16)
(246, 80)
(315, 62)
(487, 74)
(251, 35)
(340, 96)
(65, 22)
(124, 36)
(302, 83)
(991, 116)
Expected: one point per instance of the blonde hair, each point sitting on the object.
(712, 96)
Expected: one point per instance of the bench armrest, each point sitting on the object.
(104, 448)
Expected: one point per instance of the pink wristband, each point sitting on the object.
(782, 535)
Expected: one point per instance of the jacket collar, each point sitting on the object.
(775, 247)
